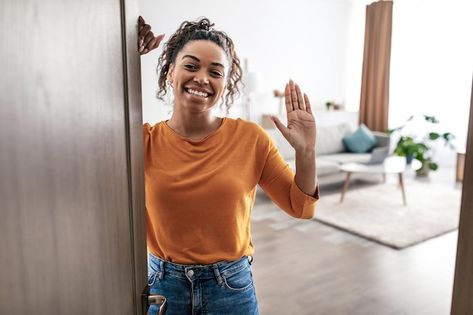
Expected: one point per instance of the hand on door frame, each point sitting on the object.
(146, 39)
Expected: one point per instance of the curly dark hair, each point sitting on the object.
(200, 30)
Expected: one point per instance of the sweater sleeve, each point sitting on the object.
(278, 181)
(146, 132)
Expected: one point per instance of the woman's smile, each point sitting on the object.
(201, 93)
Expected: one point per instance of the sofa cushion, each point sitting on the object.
(326, 167)
(360, 141)
(329, 138)
(323, 166)
(343, 158)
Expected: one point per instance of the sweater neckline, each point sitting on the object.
(224, 120)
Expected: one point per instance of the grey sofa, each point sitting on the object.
(331, 153)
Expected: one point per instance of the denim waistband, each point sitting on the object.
(159, 268)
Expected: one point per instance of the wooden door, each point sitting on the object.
(72, 236)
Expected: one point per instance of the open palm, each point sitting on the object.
(300, 131)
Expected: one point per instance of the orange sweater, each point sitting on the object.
(199, 194)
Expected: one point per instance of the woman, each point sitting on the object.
(201, 173)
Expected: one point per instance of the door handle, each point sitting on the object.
(153, 299)
(158, 299)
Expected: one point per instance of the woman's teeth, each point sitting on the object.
(198, 93)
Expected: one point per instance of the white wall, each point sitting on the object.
(432, 65)
(306, 40)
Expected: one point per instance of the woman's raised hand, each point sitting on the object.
(146, 39)
(301, 130)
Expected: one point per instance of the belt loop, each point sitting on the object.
(161, 269)
(250, 259)
(217, 274)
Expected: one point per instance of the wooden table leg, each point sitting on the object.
(401, 183)
(345, 186)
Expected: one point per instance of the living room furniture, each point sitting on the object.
(392, 165)
(331, 153)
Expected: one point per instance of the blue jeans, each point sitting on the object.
(222, 288)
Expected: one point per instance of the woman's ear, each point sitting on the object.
(170, 74)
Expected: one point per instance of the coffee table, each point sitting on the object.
(391, 165)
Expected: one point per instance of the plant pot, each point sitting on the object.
(409, 159)
(423, 171)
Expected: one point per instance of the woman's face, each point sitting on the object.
(199, 75)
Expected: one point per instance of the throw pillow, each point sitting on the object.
(360, 141)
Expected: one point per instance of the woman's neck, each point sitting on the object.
(193, 125)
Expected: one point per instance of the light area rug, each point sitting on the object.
(378, 214)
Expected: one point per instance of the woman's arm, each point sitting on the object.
(306, 175)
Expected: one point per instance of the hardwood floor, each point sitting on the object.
(304, 267)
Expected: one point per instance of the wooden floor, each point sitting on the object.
(304, 267)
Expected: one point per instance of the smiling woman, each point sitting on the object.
(201, 174)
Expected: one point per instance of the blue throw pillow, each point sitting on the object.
(361, 141)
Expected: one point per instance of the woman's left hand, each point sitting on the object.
(301, 130)
(146, 39)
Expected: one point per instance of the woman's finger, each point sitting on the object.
(148, 38)
(141, 23)
(293, 95)
(146, 28)
(150, 45)
(158, 41)
(307, 104)
(300, 100)
(287, 98)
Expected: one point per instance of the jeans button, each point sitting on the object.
(190, 273)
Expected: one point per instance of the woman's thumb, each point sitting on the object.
(279, 125)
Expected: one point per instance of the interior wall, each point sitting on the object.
(431, 67)
(307, 41)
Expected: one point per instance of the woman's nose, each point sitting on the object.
(201, 78)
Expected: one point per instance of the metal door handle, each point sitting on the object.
(158, 299)
(153, 300)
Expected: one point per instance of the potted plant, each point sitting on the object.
(330, 105)
(420, 148)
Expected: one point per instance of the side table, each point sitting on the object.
(392, 165)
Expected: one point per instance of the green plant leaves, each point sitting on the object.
(433, 136)
(431, 119)
(420, 149)
(433, 166)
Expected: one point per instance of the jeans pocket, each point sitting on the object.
(239, 281)
(153, 275)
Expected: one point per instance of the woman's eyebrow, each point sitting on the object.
(198, 60)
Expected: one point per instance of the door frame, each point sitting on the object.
(462, 303)
(134, 151)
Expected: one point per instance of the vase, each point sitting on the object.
(424, 170)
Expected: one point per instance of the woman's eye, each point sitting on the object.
(190, 67)
(217, 73)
